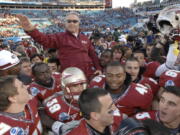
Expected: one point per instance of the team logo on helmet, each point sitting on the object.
(13, 56)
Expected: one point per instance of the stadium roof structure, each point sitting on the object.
(58, 4)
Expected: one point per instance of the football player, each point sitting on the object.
(132, 67)
(169, 110)
(18, 111)
(9, 63)
(101, 117)
(45, 83)
(129, 97)
(63, 106)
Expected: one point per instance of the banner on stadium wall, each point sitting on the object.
(108, 3)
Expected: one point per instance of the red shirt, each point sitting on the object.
(170, 78)
(73, 51)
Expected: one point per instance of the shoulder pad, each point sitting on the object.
(131, 126)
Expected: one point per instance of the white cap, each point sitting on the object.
(122, 40)
(7, 59)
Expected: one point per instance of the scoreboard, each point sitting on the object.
(108, 3)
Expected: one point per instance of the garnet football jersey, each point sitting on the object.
(28, 123)
(170, 78)
(135, 97)
(43, 92)
(59, 109)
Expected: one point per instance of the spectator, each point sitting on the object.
(139, 55)
(117, 53)
(36, 58)
(105, 58)
(76, 50)
(149, 48)
(21, 50)
(54, 65)
(25, 74)
(52, 53)
(127, 52)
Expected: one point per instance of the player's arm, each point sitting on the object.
(170, 60)
(57, 127)
(47, 40)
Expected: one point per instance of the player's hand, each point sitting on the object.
(176, 48)
(98, 72)
(25, 23)
(60, 128)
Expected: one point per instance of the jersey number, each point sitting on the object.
(141, 89)
(141, 116)
(53, 105)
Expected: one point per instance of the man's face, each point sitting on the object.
(110, 38)
(105, 58)
(77, 88)
(36, 60)
(128, 53)
(107, 108)
(132, 67)
(22, 97)
(117, 54)
(149, 50)
(169, 108)
(53, 67)
(74, 90)
(44, 75)
(26, 68)
(115, 76)
(140, 58)
(72, 23)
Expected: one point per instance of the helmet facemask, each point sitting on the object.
(74, 96)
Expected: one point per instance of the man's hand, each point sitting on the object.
(60, 128)
(98, 72)
(25, 23)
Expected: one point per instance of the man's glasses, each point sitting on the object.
(72, 21)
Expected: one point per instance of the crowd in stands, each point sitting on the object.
(55, 19)
(150, 6)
